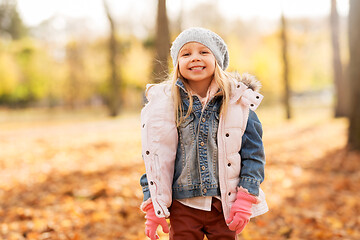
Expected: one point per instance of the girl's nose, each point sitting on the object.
(195, 58)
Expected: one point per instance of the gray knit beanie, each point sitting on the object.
(206, 37)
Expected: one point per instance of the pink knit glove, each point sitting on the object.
(240, 211)
(152, 222)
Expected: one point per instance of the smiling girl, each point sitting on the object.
(202, 145)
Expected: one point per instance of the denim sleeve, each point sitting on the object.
(145, 187)
(252, 156)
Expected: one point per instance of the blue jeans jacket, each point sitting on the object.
(196, 163)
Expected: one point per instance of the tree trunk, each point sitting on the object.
(286, 97)
(114, 98)
(354, 72)
(161, 69)
(340, 85)
(180, 18)
(76, 70)
(10, 20)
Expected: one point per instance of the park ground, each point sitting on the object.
(76, 176)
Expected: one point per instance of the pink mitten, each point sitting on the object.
(240, 211)
(152, 222)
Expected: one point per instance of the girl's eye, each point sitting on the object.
(204, 52)
(186, 54)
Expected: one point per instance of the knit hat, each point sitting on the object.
(206, 37)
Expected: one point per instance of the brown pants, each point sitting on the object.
(192, 224)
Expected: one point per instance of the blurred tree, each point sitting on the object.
(31, 84)
(340, 85)
(11, 23)
(162, 44)
(114, 98)
(208, 15)
(180, 18)
(74, 86)
(354, 72)
(284, 43)
(309, 72)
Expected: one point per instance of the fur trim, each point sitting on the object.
(249, 80)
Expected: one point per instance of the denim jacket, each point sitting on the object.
(197, 166)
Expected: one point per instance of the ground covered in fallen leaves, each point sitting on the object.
(78, 178)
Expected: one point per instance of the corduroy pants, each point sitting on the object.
(188, 223)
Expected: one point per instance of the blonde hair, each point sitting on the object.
(222, 79)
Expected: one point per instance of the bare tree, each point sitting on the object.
(339, 80)
(286, 97)
(162, 43)
(10, 20)
(114, 98)
(211, 18)
(76, 74)
(354, 73)
(180, 18)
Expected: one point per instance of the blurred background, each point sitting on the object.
(72, 77)
(59, 54)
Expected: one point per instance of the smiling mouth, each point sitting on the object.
(197, 68)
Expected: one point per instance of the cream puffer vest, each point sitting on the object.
(160, 139)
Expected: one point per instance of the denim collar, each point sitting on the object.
(181, 85)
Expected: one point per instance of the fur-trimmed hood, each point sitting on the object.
(245, 89)
(249, 80)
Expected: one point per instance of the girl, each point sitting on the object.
(202, 145)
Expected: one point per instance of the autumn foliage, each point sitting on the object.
(79, 179)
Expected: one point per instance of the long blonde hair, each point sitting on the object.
(222, 79)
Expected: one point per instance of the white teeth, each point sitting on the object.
(197, 68)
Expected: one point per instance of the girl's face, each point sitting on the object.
(196, 62)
